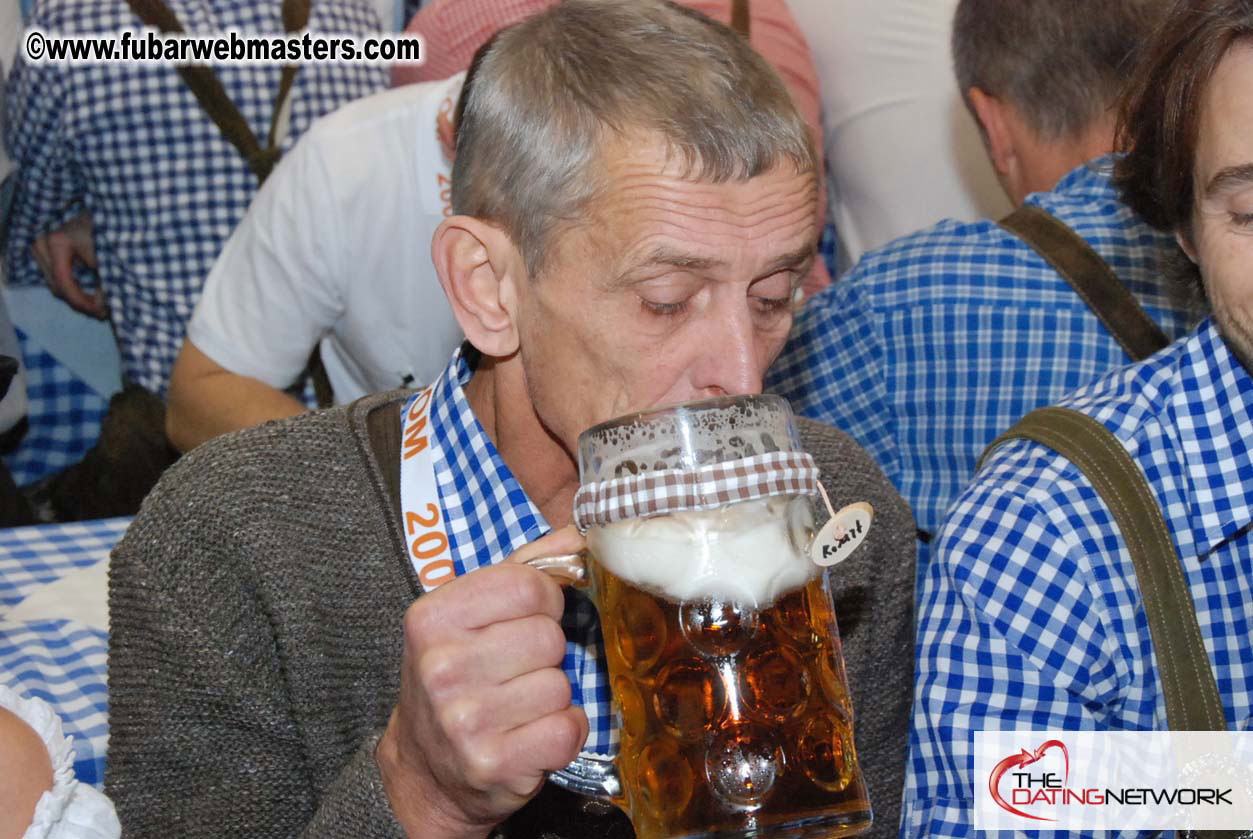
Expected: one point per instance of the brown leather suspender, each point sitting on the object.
(1090, 277)
(212, 97)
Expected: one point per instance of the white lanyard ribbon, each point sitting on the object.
(425, 533)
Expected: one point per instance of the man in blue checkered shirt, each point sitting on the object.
(937, 342)
(120, 168)
(1031, 614)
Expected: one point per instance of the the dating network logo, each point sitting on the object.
(1040, 779)
(1113, 780)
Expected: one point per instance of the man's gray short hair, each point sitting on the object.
(1061, 63)
(548, 94)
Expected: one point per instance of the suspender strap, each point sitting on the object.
(208, 90)
(1188, 684)
(739, 17)
(1090, 277)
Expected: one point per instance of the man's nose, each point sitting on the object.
(729, 363)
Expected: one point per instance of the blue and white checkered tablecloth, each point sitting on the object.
(58, 658)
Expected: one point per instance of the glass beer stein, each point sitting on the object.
(723, 653)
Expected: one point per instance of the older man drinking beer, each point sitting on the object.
(315, 634)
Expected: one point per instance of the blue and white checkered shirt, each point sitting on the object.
(939, 341)
(1031, 617)
(489, 517)
(130, 144)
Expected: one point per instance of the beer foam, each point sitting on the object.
(686, 437)
(743, 553)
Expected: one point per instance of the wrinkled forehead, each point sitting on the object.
(645, 176)
(630, 147)
(647, 203)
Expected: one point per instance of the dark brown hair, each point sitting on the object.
(1160, 118)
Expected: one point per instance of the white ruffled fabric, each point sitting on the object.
(70, 810)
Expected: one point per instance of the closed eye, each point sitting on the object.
(773, 304)
(664, 309)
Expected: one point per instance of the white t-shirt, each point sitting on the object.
(336, 247)
(902, 150)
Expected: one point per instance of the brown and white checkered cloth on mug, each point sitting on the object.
(705, 488)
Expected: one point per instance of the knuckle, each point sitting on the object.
(482, 767)
(420, 619)
(566, 734)
(533, 589)
(462, 719)
(439, 671)
(559, 688)
(550, 639)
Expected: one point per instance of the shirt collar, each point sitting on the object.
(1213, 412)
(1095, 173)
(488, 514)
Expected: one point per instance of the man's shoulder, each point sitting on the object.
(960, 254)
(397, 111)
(850, 474)
(828, 445)
(1133, 403)
(1138, 396)
(940, 245)
(267, 509)
(1087, 202)
(951, 261)
(300, 459)
(367, 146)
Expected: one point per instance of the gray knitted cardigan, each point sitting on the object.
(255, 638)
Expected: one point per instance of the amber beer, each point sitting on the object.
(735, 717)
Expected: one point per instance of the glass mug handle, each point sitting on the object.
(566, 569)
(587, 774)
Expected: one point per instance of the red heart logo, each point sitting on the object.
(1024, 758)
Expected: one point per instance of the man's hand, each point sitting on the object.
(55, 252)
(484, 706)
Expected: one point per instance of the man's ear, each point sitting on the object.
(1184, 237)
(479, 268)
(992, 116)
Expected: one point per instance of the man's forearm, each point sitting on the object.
(207, 400)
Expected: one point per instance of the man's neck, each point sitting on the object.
(546, 471)
(1096, 141)
(1046, 162)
